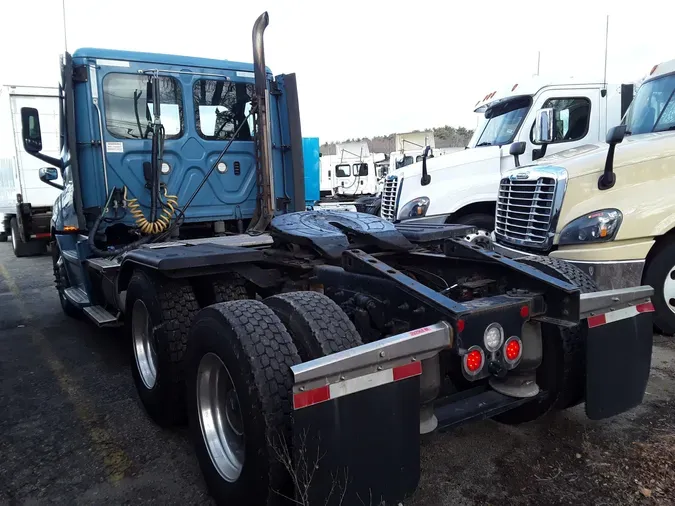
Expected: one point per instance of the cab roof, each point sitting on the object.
(526, 87)
(163, 59)
(661, 69)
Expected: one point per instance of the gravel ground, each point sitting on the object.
(72, 430)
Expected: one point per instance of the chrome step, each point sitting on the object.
(77, 296)
(100, 315)
(103, 264)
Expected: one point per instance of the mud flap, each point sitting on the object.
(361, 448)
(618, 360)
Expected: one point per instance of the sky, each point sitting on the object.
(365, 67)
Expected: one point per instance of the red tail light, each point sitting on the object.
(474, 360)
(513, 349)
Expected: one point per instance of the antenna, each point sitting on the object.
(538, 61)
(65, 38)
(604, 78)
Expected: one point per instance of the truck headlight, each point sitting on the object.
(598, 226)
(416, 208)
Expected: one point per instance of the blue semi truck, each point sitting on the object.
(284, 336)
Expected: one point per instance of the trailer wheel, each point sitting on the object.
(317, 324)
(239, 386)
(61, 281)
(24, 249)
(562, 370)
(159, 312)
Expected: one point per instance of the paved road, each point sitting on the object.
(72, 430)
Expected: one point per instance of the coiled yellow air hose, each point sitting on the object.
(163, 220)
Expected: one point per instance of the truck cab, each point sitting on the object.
(606, 207)
(462, 185)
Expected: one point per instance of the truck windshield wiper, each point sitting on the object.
(483, 144)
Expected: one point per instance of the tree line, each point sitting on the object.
(445, 137)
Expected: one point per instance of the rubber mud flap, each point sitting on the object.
(367, 445)
(618, 360)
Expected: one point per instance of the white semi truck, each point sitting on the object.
(461, 187)
(25, 201)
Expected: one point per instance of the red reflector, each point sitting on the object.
(646, 307)
(460, 325)
(474, 360)
(407, 371)
(595, 321)
(513, 350)
(304, 399)
(524, 312)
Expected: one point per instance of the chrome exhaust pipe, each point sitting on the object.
(263, 138)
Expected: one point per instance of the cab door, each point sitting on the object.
(577, 121)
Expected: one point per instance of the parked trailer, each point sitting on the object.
(310, 352)
(25, 202)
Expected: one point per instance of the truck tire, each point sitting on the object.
(159, 314)
(230, 287)
(562, 370)
(316, 323)
(24, 249)
(484, 224)
(241, 353)
(61, 281)
(660, 274)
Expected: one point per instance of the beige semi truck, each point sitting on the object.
(607, 208)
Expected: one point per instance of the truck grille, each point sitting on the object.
(525, 210)
(388, 205)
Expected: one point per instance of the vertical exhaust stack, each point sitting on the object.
(263, 139)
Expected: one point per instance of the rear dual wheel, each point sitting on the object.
(239, 386)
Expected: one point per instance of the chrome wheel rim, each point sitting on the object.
(144, 347)
(669, 289)
(220, 417)
(480, 238)
(14, 241)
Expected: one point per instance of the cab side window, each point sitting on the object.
(572, 117)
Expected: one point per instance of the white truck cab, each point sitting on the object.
(462, 186)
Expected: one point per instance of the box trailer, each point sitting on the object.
(25, 201)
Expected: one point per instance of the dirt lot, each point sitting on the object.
(73, 432)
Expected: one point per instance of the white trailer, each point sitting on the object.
(25, 201)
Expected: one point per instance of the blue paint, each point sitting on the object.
(225, 196)
(310, 153)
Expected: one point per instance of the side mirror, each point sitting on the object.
(543, 126)
(614, 136)
(30, 129)
(49, 174)
(517, 149)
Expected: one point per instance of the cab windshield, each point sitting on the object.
(653, 109)
(503, 121)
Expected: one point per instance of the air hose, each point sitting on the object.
(161, 223)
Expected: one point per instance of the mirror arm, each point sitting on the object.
(56, 162)
(55, 185)
(426, 178)
(608, 178)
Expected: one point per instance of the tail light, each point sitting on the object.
(513, 350)
(474, 360)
